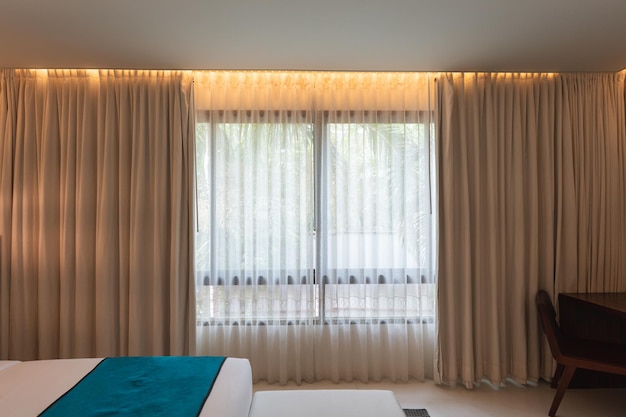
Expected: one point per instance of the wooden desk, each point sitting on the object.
(600, 316)
(612, 303)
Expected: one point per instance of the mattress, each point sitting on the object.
(28, 388)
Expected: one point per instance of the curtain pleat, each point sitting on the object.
(531, 196)
(99, 242)
(377, 230)
(597, 187)
(97, 212)
(254, 248)
(313, 199)
(496, 220)
(8, 119)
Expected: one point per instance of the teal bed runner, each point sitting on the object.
(141, 386)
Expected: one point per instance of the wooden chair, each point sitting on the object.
(571, 354)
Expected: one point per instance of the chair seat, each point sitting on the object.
(571, 354)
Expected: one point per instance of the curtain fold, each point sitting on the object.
(97, 246)
(7, 131)
(254, 242)
(376, 227)
(316, 195)
(315, 243)
(531, 188)
(597, 187)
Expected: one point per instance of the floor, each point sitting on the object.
(511, 401)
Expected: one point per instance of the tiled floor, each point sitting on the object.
(511, 401)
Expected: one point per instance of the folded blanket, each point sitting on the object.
(141, 386)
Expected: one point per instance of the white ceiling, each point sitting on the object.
(391, 35)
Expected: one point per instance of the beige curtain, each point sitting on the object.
(96, 213)
(595, 239)
(531, 182)
(7, 118)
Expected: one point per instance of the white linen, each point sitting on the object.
(27, 388)
(232, 393)
(327, 403)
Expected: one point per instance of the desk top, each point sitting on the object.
(610, 301)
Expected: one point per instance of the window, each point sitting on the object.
(314, 216)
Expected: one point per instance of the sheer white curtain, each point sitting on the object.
(376, 226)
(97, 213)
(315, 250)
(531, 196)
(254, 243)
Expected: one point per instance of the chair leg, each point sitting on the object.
(564, 381)
(557, 375)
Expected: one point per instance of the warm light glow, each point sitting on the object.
(273, 90)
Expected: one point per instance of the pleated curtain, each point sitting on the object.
(377, 227)
(531, 171)
(254, 248)
(96, 222)
(330, 214)
(595, 244)
(315, 250)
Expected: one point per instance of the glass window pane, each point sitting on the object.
(255, 241)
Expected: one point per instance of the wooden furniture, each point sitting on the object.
(600, 316)
(594, 316)
(573, 353)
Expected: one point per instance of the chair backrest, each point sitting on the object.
(547, 314)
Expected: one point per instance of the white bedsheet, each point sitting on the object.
(27, 388)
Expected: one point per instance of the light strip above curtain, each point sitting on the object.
(276, 90)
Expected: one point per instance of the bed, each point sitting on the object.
(28, 388)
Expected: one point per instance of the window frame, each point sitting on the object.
(320, 122)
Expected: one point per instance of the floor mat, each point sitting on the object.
(420, 412)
